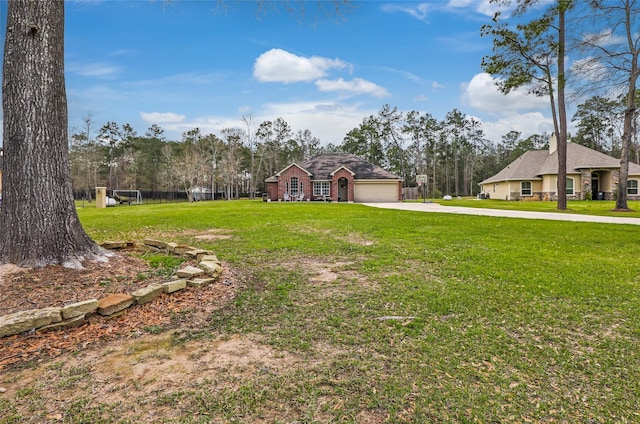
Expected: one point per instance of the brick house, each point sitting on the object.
(338, 177)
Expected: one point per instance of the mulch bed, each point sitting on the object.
(59, 286)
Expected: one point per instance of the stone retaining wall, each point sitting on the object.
(207, 271)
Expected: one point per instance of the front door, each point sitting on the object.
(343, 190)
(595, 187)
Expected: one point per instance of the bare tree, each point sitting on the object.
(194, 166)
(252, 144)
(613, 66)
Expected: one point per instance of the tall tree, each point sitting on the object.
(38, 219)
(85, 159)
(252, 145)
(193, 167)
(118, 140)
(456, 126)
(597, 120)
(366, 142)
(230, 164)
(309, 144)
(475, 143)
(532, 55)
(425, 131)
(615, 54)
(390, 122)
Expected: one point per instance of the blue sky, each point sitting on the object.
(181, 65)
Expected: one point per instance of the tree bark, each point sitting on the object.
(562, 110)
(629, 112)
(39, 225)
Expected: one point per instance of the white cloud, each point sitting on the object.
(356, 86)
(97, 69)
(328, 121)
(483, 7)
(169, 82)
(526, 123)
(103, 93)
(277, 65)
(161, 118)
(422, 11)
(516, 111)
(207, 125)
(419, 11)
(404, 74)
(604, 38)
(436, 85)
(483, 94)
(590, 69)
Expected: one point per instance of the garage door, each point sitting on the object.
(375, 192)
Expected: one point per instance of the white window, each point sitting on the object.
(632, 187)
(294, 186)
(321, 188)
(569, 186)
(525, 188)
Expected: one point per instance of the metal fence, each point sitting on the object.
(156, 197)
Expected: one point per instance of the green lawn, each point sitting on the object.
(502, 320)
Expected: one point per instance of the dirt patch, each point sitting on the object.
(210, 234)
(143, 376)
(156, 362)
(212, 237)
(352, 238)
(57, 286)
(321, 273)
(359, 239)
(24, 289)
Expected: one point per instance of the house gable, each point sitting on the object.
(353, 174)
(293, 165)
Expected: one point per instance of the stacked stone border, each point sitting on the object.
(207, 271)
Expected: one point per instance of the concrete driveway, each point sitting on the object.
(435, 207)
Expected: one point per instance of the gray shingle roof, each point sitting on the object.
(322, 166)
(526, 167)
(534, 164)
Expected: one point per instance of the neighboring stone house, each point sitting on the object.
(534, 175)
(337, 177)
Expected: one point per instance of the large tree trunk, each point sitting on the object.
(38, 221)
(629, 112)
(562, 111)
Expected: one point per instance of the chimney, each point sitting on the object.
(553, 143)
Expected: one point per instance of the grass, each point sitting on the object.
(431, 317)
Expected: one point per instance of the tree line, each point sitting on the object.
(453, 153)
